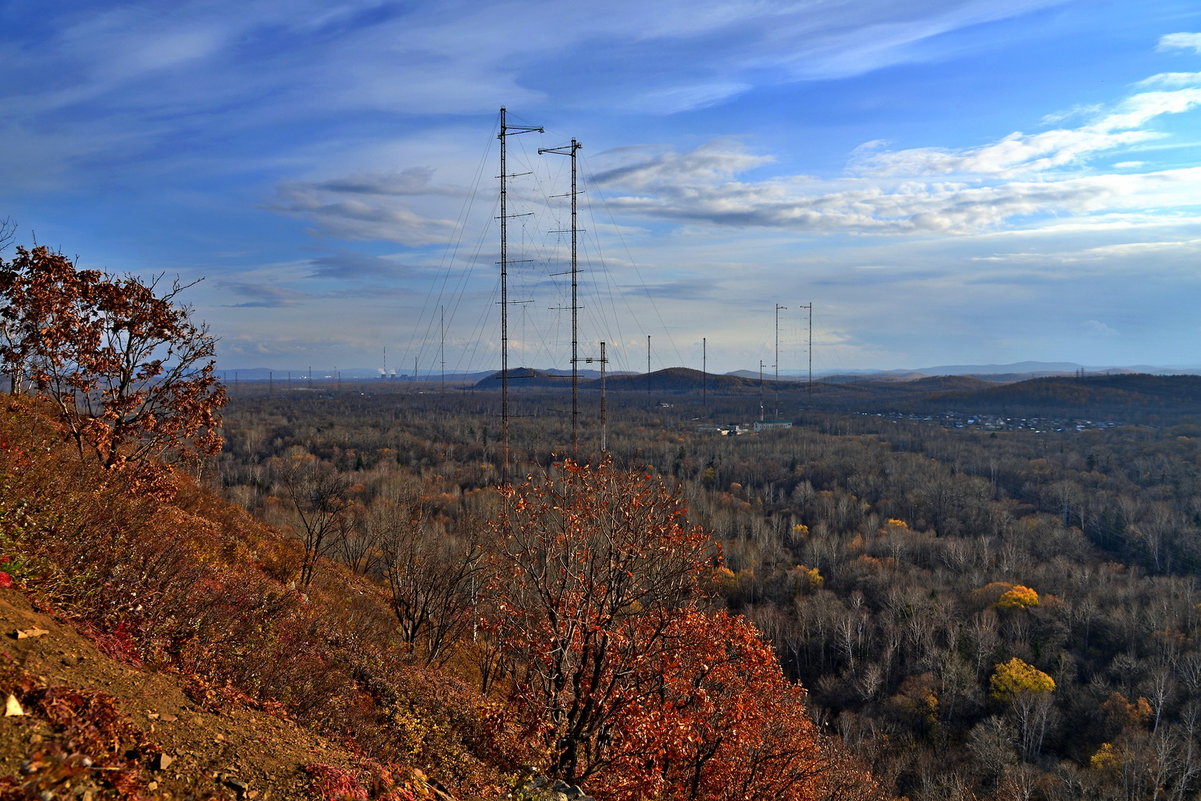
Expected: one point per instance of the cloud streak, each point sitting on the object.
(338, 211)
(1022, 179)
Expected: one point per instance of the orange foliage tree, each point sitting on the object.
(129, 372)
(717, 719)
(589, 562)
(598, 607)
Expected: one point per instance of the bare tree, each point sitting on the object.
(320, 497)
(433, 578)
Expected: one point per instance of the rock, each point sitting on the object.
(24, 634)
(163, 761)
(12, 707)
(239, 787)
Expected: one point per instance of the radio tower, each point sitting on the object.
(506, 131)
(809, 389)
(776, 388)
(570, 150)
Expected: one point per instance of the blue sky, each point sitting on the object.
(946, 181)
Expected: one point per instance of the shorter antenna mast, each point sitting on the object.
(776, 387)
(648, 366)
(603, 406)
(809, 387)
(761, 390)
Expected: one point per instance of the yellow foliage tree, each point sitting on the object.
(723, 580)
(1018, 597)
(1106, 758)
(1018, 678)
(803, 576)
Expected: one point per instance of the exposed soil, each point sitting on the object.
(234, 752)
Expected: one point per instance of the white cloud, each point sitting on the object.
(1181, 41)
(1172, 79)
(701, 186)
(1098, 328)
(1021, 181)
(1020, 153)
(1121, 253)
(347, 216)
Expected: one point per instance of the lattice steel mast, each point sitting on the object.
(570, 150)
(506, 130)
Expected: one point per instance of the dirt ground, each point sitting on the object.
(234, 753)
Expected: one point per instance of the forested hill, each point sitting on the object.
(676, 380)
(1090, 394)
(672, 380)
(1129, 397)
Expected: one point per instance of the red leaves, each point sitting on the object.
(596, 589)
(716, 719)
(129, 372)
(589, 560)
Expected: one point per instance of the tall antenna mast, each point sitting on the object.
(704, 372)
(776, 387)
(506, 130)
(570, 150)
(443, 355)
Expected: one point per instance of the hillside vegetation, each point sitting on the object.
(440, 662)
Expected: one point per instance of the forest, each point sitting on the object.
(976, 614)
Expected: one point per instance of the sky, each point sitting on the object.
(931, 182)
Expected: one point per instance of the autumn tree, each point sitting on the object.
(1027, 690)
(1018, 597)
(717, 719)
(590, 564)
(129, 371)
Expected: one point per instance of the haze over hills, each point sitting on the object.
(1016, 371)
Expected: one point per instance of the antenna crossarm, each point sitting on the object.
(562, 150)
(512, 130)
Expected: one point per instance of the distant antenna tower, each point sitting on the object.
(809, 387)
(704, 372)
(776, 386)
(648, 366)
(506, 131)
(570, 150)
(760, 390)
(603, 410)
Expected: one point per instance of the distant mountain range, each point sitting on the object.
(1016, 371)
(995, 373)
